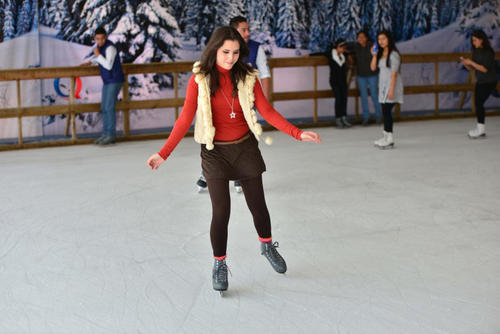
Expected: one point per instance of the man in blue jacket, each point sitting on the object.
(110, 67)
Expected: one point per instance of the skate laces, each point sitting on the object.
(271, 250)
(221, 272)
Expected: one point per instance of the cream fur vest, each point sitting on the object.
(204, 130)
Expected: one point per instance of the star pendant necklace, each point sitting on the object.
(232, 114)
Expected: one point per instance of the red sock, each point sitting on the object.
(266, 240)
(220, 258)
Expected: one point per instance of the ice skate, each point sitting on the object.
(339, 123)
(385, 142)
(346, 123)
(219, 276)
(201, 183)
(269, 251)
(237, 187)
(478, 132)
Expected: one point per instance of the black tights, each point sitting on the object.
(387, 112)
(482, 91)
(221, 209)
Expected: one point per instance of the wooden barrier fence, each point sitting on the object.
(72, 109)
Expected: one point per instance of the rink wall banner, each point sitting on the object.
(51, 33)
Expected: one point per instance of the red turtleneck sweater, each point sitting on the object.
(226, 128)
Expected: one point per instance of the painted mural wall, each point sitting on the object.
(47, 33)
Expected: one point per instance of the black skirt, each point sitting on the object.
(234, 161)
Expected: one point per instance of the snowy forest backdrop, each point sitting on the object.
(47, 33)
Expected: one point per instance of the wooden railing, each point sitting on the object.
(126, 104)
(436, 89)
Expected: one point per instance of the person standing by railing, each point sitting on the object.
(483, 62)
(222, 93)
(386, 57)
(110, 68)
(338, 79)
(366, 78)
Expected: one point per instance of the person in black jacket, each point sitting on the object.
(483, 62)
(338, 79)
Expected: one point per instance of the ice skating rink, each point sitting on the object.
(396, 241)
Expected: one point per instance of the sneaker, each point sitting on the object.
(269, 251)
(98, 140)
(219, 275)
(107, 140)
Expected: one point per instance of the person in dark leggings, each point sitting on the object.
(222, 94)
(483, 62)
(338, 79)
(390, 84)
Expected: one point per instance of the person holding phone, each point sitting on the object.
(390, 84)
(110, 68)
(483, 62)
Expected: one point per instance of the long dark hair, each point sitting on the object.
(391, 45)
(209, 58)
(482, 36)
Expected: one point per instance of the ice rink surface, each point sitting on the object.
(396, 241)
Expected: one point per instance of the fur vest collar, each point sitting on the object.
(204, 130)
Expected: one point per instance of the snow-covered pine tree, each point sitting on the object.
(96, 13)
(485, 17)
(2, 10)
(260, 18)
(10, 17)
(144, 31)
(227, 9)
(208, 23)
(53, 13)
(409, 19)
(382, 15)
(72, 21)
(422, 18)
(193, 20)
(366, 17)
(25, 17)
(435, 14)
(148, 33)
(291, 25)
(348, 19)
(398, 16)
(180, 14)
(331, 25)
(200, 22)
(317, 40)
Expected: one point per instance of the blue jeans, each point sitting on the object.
(110, 93)
(363, 84)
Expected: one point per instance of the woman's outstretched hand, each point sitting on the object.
(155, 161)
(310, 136)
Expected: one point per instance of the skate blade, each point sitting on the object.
(200, 189)
(388, 147)
(483, 136)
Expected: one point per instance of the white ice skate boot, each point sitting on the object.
(478, 132)
(201, 183)
(237, 187)
(385, 142)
